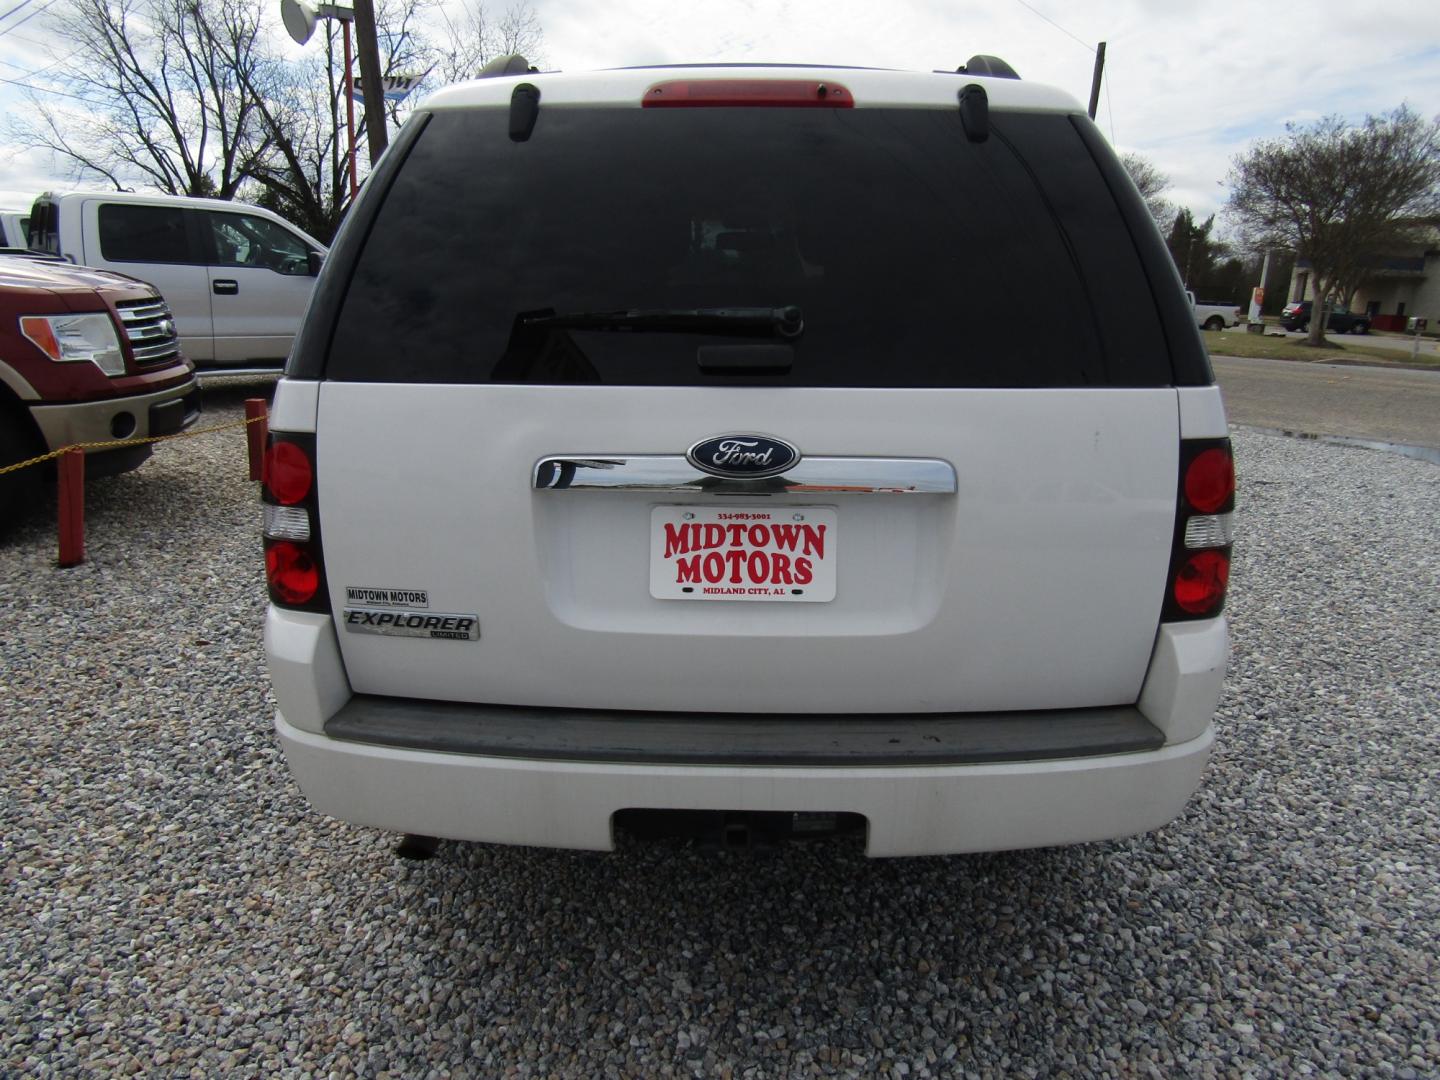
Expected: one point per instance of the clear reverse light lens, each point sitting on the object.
(287, 523)
(1210, 531)
(77, 339)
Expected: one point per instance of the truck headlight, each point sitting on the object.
(77, 339)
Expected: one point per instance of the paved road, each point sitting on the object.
(1381, 404)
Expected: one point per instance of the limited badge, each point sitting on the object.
(419, 624)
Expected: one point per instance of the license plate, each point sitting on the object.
(743, 553)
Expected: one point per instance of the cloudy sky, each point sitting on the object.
(1187, 85)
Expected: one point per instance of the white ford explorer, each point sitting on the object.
(664, 450)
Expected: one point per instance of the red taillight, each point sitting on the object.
(1200, 582)
(701, 93)
(1200, 551)
(294, 557)
(288, 473)
(292, 573)
(1210, 480)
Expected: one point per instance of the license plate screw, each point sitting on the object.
(799, 517)
(689, 516)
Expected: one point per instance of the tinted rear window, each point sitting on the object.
(918, 258)
(156, 234)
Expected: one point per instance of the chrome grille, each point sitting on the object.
(150, 330)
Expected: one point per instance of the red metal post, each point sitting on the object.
(72, 507)
(255, 433)
(350, 105)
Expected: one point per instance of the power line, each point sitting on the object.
(14, 9)
(42, 89)
(29, 40)
(1081, 41)
(40, 71)
(27, 18)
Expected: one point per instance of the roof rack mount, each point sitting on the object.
(993, 66)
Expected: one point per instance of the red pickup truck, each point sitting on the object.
(86, 356)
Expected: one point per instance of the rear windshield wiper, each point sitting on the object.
(785, 322)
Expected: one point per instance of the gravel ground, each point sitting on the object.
(172, 907)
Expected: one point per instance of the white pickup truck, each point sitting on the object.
(12, 228)
(1213, 316)
(237, 277)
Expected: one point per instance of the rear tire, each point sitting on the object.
(19, 491)
(1362, 328)
(1214, 322)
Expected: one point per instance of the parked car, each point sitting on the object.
(237, 276)
(707, 503)
(85, 356)
(1296, 316)
(1213, 316)
(13, 227)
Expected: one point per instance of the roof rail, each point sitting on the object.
(993, 66)
(514, 64)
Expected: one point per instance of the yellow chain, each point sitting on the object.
(117, 443)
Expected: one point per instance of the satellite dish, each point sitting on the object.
(299, 19)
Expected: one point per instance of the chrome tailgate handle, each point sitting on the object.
(672, 473)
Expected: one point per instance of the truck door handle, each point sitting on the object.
(225, 287)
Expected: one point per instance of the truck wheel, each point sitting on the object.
(1362, 328)
(19, 491)
(1214, 322)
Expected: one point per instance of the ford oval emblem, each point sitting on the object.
(745, 457)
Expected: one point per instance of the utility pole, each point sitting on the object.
(1095, 80)
(373, 90)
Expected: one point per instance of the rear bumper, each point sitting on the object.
(926, 810)
(433, 769)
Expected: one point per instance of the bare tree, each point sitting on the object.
(162, 85)
(1337, 195)
(305, 176)
(1152, 185)
(193, 97)
(472, 37)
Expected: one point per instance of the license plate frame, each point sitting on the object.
(770, 554)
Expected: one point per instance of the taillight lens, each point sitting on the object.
(1199, 586)
(288, 474)
(1210, 480)
(1200, 551)
(294, 560)
(292, 573)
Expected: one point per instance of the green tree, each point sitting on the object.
(1337, 194)
(1194, 247)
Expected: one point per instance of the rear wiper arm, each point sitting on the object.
(786, 322)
